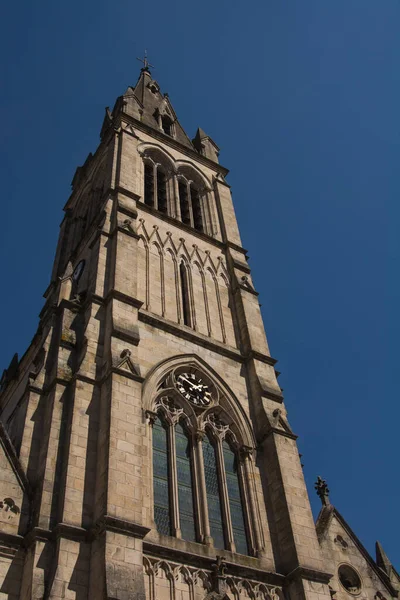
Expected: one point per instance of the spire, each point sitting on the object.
(145, 62)
(382, 560)
(146, 103)
(322, 490)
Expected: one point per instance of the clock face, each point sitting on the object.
(193, 389)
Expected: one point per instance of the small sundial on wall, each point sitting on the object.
(193, 389)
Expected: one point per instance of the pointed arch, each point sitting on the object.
(228, 402)
(157, 153)
(246, 590)
(158, 178)
(192, 172)
(164, 579)
(143, 271)
(231, 584)
(193, 188)
(148, 578)
(200, 474)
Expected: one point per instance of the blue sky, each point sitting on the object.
(302, 98)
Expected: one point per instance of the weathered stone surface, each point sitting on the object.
(150, 283)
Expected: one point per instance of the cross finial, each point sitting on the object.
(145, 62)
(322, 491)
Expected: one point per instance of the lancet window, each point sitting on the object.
(178, 192)
(199, 477)
(161, 477)
(190, 205)
(155, 186)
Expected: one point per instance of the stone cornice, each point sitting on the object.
(124, 373)
(204, 556)
(79, 534)
(236, 247)
(247, 289)
(265, 358)
(116, 295)
(109, 523)
(309, 574)
(278, 431)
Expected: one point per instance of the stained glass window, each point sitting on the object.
(235, 499)
(148, 184)
(161, 478)
(213, 494)
(185, 485)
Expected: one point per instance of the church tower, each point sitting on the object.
(145, 449)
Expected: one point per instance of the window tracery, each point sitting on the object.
(198, 478)
(179, 191)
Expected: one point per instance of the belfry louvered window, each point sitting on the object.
(161, 192)
(148, 184)
(180, 192)
(196, 207)
(190, 205)
(184, 203)
(195, 472)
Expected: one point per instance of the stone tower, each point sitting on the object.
(145, 450)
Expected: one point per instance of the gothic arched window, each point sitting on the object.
(190, 205)
(179, 190)
(161, 477)
(192, 470)
(161, 191)
(149, 184)
(196, 208)
(184, 203)
(235, 498)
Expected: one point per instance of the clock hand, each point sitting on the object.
(192, 385)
